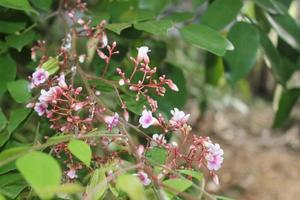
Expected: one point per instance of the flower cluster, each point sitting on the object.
(77, 109)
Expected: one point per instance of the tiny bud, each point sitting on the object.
(80, 21)
(81, 58)
(97, 93)
(216, 179)
(126, 115)
(173, 86)
(30, 105)
(121, 82)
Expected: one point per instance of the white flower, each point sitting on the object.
(121, 82)
(39, 77)
(158, 139)
(179, 118)
(40, 108)
(142, 54)
(72, 174)
(146, 119)
(144, 178)
(81, 58)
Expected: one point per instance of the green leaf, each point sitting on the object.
(11, 27)
(98, 185)
(2, 197)
(12, 184)
(268, 5)
(132, 186)
(19, 41)
(16, 118)
(157, 155)
(220, 13)
(11, 154)
(117, 27)
(67, 188)
(41, 171)
(133, 105)
(179, 16)
(156, 5)
(3, 120)
(241, 60)
(154, 27)
(206, 38)
(4, 136)
(281, 71)
(214, 69)
(180, 185)
(8, 70)
(195, 174)
(287, 29)
(81, 150)
(42, 4)
(19, 91)
(287, 101)
(222, 198)
(17, 4)
(134, 16)
(173, 99)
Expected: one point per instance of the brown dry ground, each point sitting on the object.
(260, 163)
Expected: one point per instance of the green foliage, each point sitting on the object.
(17, 4)
(19, 41)
(132, 186)
(176, 185)
(19, 91)
(206, 38)
(195, 174)
(159, 28)
(7, 72)
(287, 100)
(98, 184)
(11, 27)
(241, 59)
(81, 150)
(157, 155)
(220, 13)
(41, 171)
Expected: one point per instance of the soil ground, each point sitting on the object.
(260, 163)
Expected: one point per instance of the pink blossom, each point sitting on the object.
(51, 95)
(140, 150)
(179, 118)
(39, 77)
(62, 82)
(215, 179)
(41, 108)
(77, 106)
(146, 119)
(173, 86)
(214, 156)
(72, 174)
(142, 54)
(144, 178)
(112, 121)
(158, 139)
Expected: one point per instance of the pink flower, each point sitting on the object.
(142, 54)
(146, 119)
(41, 108)
(144, 178)
(38, 77)
(173, 86)
(51, 95)
(72, 174)
(214, 156)
(77, 106)
(158, 139)
(62, 82)
(215, 179)
(179, 118)
(112, 121)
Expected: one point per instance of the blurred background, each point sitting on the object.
(244, 98)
